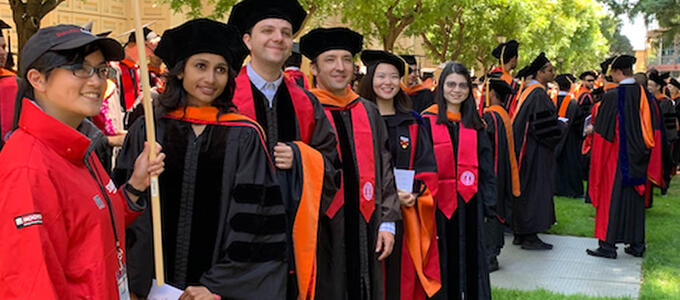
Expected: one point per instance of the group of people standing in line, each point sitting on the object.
(274, 187)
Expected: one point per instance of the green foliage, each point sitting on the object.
(505, 294)
(610, 27)
(381, 20)
(665, 12)
(468, 30)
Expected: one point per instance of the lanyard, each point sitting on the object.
(97, 178)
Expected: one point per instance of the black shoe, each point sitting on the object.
(536, 245)
(601, 253)
(493, 265)
(630, 251)
(517, 240)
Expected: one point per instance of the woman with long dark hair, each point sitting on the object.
(411, 271)
(66, 235)
(467, 186)
(224, 228)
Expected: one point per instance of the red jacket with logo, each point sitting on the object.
(57, 236)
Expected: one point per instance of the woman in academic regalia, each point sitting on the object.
(412, 270)
(467, 185)
(224, 228)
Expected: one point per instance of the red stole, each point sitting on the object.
(365, 154)
(463, 178)
(130, 84)
(304, 111)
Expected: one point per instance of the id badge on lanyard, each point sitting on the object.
(121, 278)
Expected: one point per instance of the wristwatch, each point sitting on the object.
(132, 190)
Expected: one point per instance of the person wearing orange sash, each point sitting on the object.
(357, 229)
(536, 131)
(466, 187)
(224, 224)
(656, 84)
(499, 130)
(418, 90)
(508, 56)
(8, 87)
(622, 144)
(583, 96)
(412, 270)
(568, 180)
(289, 115)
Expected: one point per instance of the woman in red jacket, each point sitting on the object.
(62, 220)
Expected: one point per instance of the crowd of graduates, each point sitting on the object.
(277, 184)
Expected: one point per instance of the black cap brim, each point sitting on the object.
(111, 49)
(245, 14)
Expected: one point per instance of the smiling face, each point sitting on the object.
(68, 98)
(653, 87)
(270, 41)
(333, 70)
(456, 89)
(386, 81)
(204, 78)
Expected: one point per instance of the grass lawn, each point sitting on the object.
(661, 264)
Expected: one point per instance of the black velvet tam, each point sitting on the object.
(202, 36)
(245, 14)
(374, 57)
(508, 50)
(321, 40)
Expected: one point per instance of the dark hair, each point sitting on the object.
(641, 79)
(468, 110)
(294, 60)
(541, 69)
(45, 64)
(402, 103)
(174, 95)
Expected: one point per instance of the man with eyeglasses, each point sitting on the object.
(419, 91)
(536, 130)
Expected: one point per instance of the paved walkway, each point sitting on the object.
(567, 269)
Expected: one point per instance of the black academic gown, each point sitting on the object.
(463, 258)
(224, 224)
(616, 192)
(670, 137)
(422, 99)
(536, 131)
(281, 124)
(401, 144)
(495, 130)
(348, 267)
(568, 181)
(586, 101)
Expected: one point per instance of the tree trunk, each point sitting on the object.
(27, 16)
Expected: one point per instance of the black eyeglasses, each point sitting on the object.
(590, 80)
(86, 71)
(453, 84)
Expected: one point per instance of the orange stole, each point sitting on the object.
(523, 98)
(511, 147)
(305, 226)
(563, 107)
(418, 232)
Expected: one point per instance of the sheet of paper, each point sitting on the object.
(164, 292)
(586, 123)
(404, 179)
